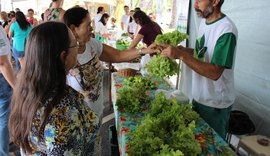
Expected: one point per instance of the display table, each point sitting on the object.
(211, 142)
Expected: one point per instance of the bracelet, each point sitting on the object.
(141, 52)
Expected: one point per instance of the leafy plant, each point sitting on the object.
(123, 42)
(139, 82)
(130, 99)
(132, 95)
(172, 38)
(168, 129)
(161, 67)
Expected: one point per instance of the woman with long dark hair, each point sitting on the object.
(19, 31)
(101, 28)
(149, 29)
(47, 116)
(132, 25)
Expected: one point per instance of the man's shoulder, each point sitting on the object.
(228, 25)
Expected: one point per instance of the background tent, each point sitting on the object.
(252, 74)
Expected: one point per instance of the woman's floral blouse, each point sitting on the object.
(72, 128)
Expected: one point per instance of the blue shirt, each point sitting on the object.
(19, 36)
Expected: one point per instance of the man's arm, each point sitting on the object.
(186, 49)
(6, 70)
(208, 70)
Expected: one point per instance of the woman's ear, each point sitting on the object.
(63, 56)
(73, 29)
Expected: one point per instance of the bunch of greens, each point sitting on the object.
(161, 67)
(172, 38)
(168, 129)
(130, 99)
(139, 82)
(124, 35)
(123, 42)
(164, 67)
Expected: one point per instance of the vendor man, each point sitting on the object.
(212, 63)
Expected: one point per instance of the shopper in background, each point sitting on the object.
(132, 25)
(31, 19)
(19, 31)
(4, 19)
(7, 81)
(101, 28)
(100, 12)
(125, 19)
(148, 32)
(55, 12)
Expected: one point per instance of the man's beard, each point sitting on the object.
(205, 14)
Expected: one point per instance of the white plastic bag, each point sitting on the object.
(144, 60)
(180, 97)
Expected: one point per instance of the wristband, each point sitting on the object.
(141, 52)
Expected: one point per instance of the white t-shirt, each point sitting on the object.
(97, 19)
(4, 43)
(87, 76)
(132, 27)
(125, 20)
(101, 29)
(216, 44)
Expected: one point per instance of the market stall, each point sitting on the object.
(211, 143)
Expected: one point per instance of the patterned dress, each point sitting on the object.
(87, 76)
(72, 129)
(52, 14)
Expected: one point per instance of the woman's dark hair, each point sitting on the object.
(131, 19)
(30, 10)
(43, 77)
(141, 17)
(75, 16)
(137, 9)
(42, 16)
(102, 19)
(99, 9)
(20, 18)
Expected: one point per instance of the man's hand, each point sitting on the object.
(172, 52)
(153, 48)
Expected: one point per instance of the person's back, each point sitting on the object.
(19, 36)
(55, 12)
(150, 31)
(80, 137)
